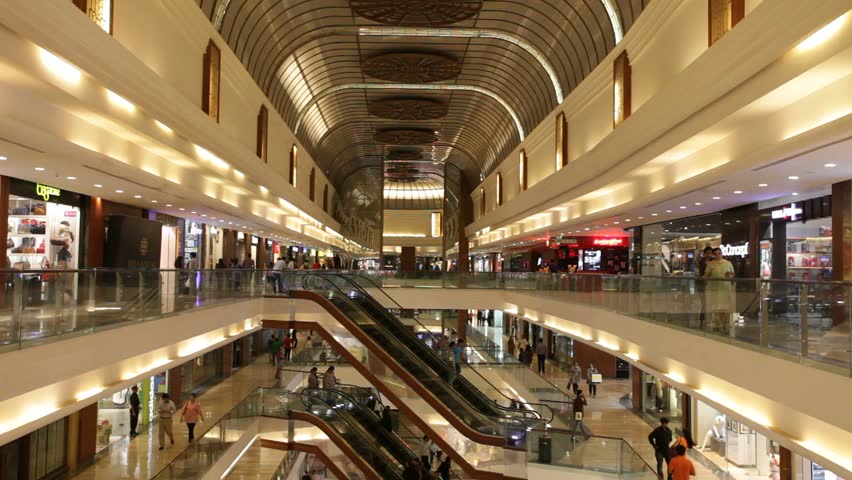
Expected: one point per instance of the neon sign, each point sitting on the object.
(791, 213)
(45, 191)
(608, 242)
(735, 250)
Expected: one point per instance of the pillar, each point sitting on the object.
(95, 234)
(585, 354)
(636, 382)
(261, 253)
(72, 435)
(87, 432)
(227, 357)
(4, 220)
(841, 242)
(175, 387)
(465, 218)
(461, 324)
(408, 260)
(246, 350)
(259, 344)
(686, 407)
(785, 459)
(229, 245)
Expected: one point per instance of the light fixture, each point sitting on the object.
(698, 204)
(683, 207)
(795, 194)
(168, 204)
(98, 185)
(163, 126)
(822, 35)
(737, 192)
(39, 169)
(615, 223)
(792, 177)
(193, 212)
(71, 178)
(827, 165)
(153, 201)
(203, 214)
(59, 67)
(627, 220)
(668, 211)
(717, 198)
(119, 191)
(762, 185)
(181, 209)
(137, 196)
(120, 101)
(4, 158)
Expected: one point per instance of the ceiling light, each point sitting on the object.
(59, 67)
(4, 158)
(654, 214)
(627, 220)
(717, 198)
(795, 194)
(792, 177)
(120, 101)
(615, 223)
(193, 212)
(668, 211)
(683, 207)
(153, 201)
(698, 203)
(181, 209)
(39, 169)
(762, 185)
(587, 229)
(98, 185)
(221, 221)
(119, 191)
(168, 204)
(737, 192)
(71, 178)
(822, 35)
(203, 214)
(827, 165)
(640, 218)
(137, 196)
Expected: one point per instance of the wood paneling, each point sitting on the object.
(93, 253)
(211, 76)
(325, 199)
(263, 134)
(175, 386)
(722, 16)
(227, 357)
(312, 184)
(87, 432)
(636, 382)
(561, 142)
(408, 260)
(841, 242)
(621, 89)
(604, 362)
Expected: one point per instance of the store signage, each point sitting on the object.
(735, 250)
(791, 213)
(46, 191)
(70, 213)
(608, 242)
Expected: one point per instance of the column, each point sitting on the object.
(785, 458)
(636, 382)
(408, 260)
(259, 344)
(841, 242)
(93, 253)
(227, 357)
(4, 220)
(246, 350)
(87, 431)
(461, 324)
(175, 384)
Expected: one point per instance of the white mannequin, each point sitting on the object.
(716, 431)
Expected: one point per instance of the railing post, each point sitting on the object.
(763, 291)
(620, 461)
(18, 304)
(803, 306)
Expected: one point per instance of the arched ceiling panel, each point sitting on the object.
(518, 58)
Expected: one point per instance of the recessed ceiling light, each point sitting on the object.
(683, 207)
(203, 214)
(627, 220)
(168, 204)
(737, 192)
(181, 209)
(119, 191)
(193, 213)
(795, 194)
(698, 203)
(654, 214)
(668, 211)
(792, 177)
(717, 198)
(153, 201)
(71, 178)
(4, 158)
(827, 165)
(98, 185)
(762, 185)
(212, 218)
(221, 220)
(640, 218)
(615, 223)
(137, 196)
(39, 169)
(586, 229)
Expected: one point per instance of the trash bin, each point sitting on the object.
(544, 448)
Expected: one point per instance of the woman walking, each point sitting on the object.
(191, 414)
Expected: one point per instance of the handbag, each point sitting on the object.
(40, 248)
(9, 243)
(38, 209)
(45, 265)
(38, 228)
(21, 211)
(29, 245)
(24, 226)
(60, 241)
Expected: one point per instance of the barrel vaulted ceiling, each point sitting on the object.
(472, 77)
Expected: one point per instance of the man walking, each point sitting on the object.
(270, 348)
(541, 352)
(660, 438)
(579, 412)
(134, 410)
(680, 467)
(280, 285)
(288, 347)
(458, 354)
(166, 409)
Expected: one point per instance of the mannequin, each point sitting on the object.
(716, 431)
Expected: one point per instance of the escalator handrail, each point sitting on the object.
(450, 390)
(461, 378)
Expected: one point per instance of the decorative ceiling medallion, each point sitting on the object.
(406, 136)
(405, 155)
(408, 109)
(416, 13)
(412, 67)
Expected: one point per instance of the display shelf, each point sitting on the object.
(26, 254)
(21, 235)
(34, 217)
(810, 268)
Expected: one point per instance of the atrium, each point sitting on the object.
(411, 239)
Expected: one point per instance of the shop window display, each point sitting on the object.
(659, 399)
(674, 248)
(809, 250)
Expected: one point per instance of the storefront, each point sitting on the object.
(795, 240)
(214, 246)
(731, 445)
(193, 241)
(46, 450)
(588, 254)
(114, 411)
(203, 370)
(660, 399)
(562, 349)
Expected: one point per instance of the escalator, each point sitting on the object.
(484, 417)
(530, 414)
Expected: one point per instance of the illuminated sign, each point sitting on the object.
(735, 250)
(45, 191)
(608, 242)
(791, 213)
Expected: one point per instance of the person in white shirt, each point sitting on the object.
(280, 282)
(165, 410)
(291, 265)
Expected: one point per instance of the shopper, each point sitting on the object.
(313, 379)
(270, 347)
(279, 282)
(191, 414)
(680, 467)
(660, 438)
(529, 352)
(575, 375)
(276, 347)
(541, 353)
(444, 468)
(685, 439)
(412, 470)
(458, 353)
(511, 346)
(579, 406)
(288, 347)
(193, 261)
(165, 410)
(387, 421)
(423, 452)
(719, 298)
(593, 387)
(522, 357)
(522, 345)
(135, 406)
(329, 381)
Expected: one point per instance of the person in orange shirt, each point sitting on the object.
(680, 467)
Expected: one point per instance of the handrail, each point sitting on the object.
(461, 378)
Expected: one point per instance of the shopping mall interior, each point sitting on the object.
(411, 239)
